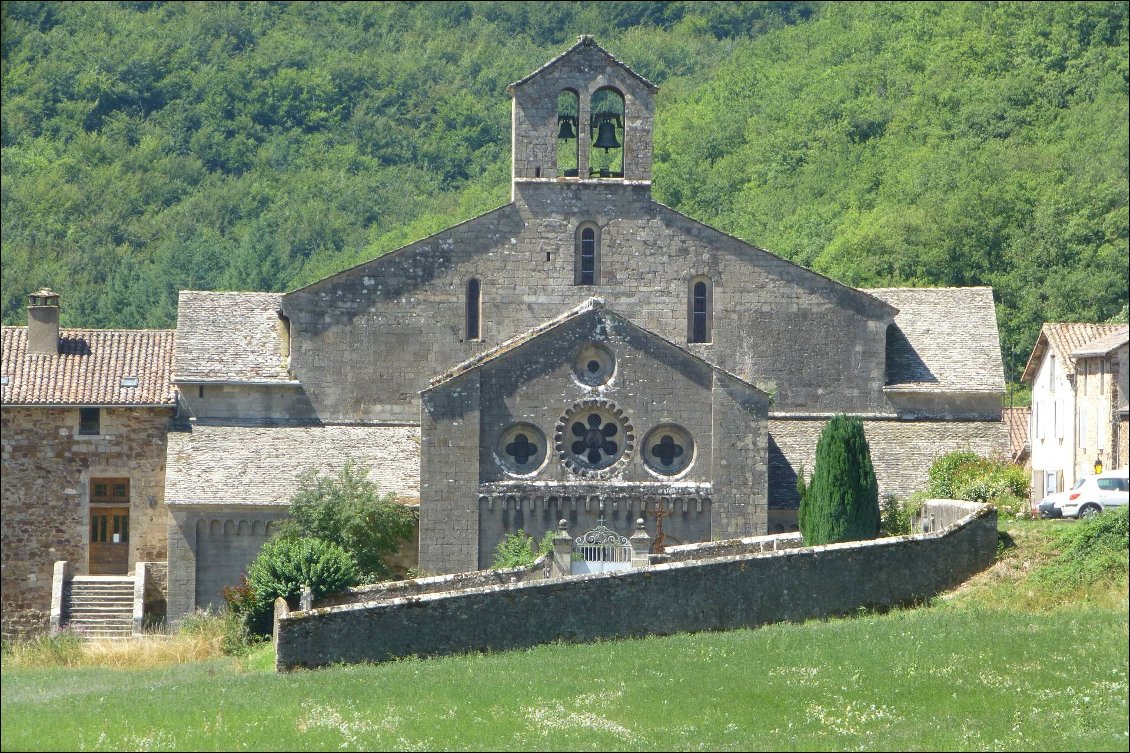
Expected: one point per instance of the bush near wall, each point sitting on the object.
(966, 475)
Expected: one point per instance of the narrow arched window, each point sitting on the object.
(587, 271)
(699, 312)
(473, 309)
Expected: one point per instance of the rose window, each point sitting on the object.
(593, 437)
(668, 449)
(521, 450)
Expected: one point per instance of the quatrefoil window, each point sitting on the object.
(668, 449)
(595, 440)
(521, 449)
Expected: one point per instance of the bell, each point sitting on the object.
(566, 132)
(606, 136)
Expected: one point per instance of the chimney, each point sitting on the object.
(43, 323)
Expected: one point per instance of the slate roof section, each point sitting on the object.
(262, 465)
(1104, 345)
(1064, 338)
(90, 368)
(229, 338)
(1017, 419)
(584, 40)
(944, 340)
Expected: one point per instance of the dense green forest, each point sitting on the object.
(152, 147)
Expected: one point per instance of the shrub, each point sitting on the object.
(347, 510)
(842, 501)
(965, 475)
(516, 550)
(895, 518)
(285, 565)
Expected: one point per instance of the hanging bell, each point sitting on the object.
(606, 136)
(566, 132)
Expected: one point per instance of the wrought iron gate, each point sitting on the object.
(601, 550)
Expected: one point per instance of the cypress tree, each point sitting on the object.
(842, 501)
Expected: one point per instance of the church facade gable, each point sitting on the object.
(592, 419)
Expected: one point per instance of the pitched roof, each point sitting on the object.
(584, 40)
(262, 465)
(1100, 346)
(930, 351)
(1064, 338)
(1016, 419)
(90, 368)
(229, 337)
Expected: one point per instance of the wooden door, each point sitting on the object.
(109, 527)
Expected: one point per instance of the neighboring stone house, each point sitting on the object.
(85, 417)
(1079, 377)
(479, 368)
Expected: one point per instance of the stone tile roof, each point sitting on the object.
(262, 465)
(1102, 345)
(229, 337)
(90, 368)
(1064, 338)
(584, 40)
(945, 340)
(1016, 419)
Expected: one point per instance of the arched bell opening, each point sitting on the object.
(606, 125)
(568, 134)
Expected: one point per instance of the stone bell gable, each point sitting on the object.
(580, 73)
(587, 417)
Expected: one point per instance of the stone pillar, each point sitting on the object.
(140, 581)
(281, 610)
(59, 582)
(562, 550)
(641, 545)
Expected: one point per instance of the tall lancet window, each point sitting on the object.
(699, 310)
(474, 309)
(587, 269)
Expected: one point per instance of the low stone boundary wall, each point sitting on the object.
(730, 547)
(743, 590)
(436, 584)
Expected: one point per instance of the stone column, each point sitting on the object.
(641, 545)
(59, 582)
(562, 550)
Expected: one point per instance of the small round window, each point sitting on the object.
(521, 449)
(594, 365)
(668, 449)
(594, 438)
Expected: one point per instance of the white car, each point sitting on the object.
(1090, 496)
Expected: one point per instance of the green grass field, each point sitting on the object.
(1003, 664)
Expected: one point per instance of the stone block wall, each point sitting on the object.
(901, 451)
(737, 591)
(365, 342)
(209, 547)
(47, 467)
(247, 403)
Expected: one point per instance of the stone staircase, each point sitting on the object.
(100, 606)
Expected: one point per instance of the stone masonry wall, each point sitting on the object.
(901, 451)
(47, 467)
(366, 341)
(729, 592)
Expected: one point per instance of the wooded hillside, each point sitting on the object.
(151, 147)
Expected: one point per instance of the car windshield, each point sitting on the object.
(1079, 483)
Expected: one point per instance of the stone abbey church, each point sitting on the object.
(580, 353)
